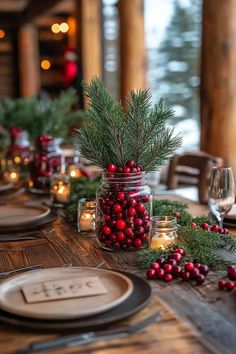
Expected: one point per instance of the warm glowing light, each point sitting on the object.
(73, 173)
(55, 28)
(2, 33)
(17, 159)
(64, 27)
(13, 175)
(31, 184)
(26, 161)
(45, 64)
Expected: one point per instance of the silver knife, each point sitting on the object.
(90, 337)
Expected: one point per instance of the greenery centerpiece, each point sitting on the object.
(124, 143)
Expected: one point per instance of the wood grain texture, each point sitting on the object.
(194, 319)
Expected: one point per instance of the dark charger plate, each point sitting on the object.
(138, 299)
(52, 216)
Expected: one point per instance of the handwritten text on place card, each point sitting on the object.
(63, 289)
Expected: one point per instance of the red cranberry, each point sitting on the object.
(111, 167)
(134, 170)
(180, 251)
(119, 216)
(138, 169)
(155, 266)
(138, 243)
(172, 262)
(112, 223)
(168, 268)
(185, 276)
(102, 238)
(110, 202)
(215, 228)
(161, 261)
(126, 170)
(177, 270)
(224, 232)
(107, 217)
(221, 284)
(108, 244)
(232, 273)
(168, 278)
(138, 222)
(106, 230)
(145, 198)
(143, 237)
(194, 273)
(131, 211)
(205, 226)
(140, 230)
(151, 273)
(120, 224)
(177, 257)
(160, 273)
(120, 236)
(200, 279)
(188, 266)
(193, 225)
(117, 208)
(130, 163)
(128, 242)
(132, 203)
(120, 195)
(204, 269)
(197, 265)
(117, 245)
(129, 231)
(230, 285)
(119, 169)
(140, 208)
(176, 214)
(112, 237)
(146, 225)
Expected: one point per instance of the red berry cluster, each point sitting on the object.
(169, 269)
(213, 228)
(124, 219)
(230, 284)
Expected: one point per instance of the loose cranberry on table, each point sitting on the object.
(188, 266)
(168, 268)
(151, 273)
(160, 273)
(180, 251)
(155, 266)
(232, 273)
(222, 284)
(205, 226)
(168, 277)
(204, 269)
(215, 228)
(185, 275)
(177, 257)
(230, 285)
(200, 279)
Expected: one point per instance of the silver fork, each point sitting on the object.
(9, 272)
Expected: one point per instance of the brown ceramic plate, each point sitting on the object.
(12, 300)
(21, 215)
(138, 299)
(52, 216)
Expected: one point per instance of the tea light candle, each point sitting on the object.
(74, 171)
(11, 176)
(163, 231)
(85, 221)
(63, 193)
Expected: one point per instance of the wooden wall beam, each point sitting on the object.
(132, 46)
(29, 66)
(35, 8)
(218, 83)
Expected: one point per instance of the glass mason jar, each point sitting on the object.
(19, 150)
(46, 162)
(123, 212)
(163, 231)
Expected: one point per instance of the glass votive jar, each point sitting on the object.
(163, 231)
(86, 215)
(60, 191)
(11, 175)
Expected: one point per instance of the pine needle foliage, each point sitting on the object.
(113, 135)
(199, 245)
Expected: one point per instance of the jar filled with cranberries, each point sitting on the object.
(123, 209)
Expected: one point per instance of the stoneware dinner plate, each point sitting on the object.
(52, 216)
(119, 287)
(138, 299)
(19, 215)
(5, 186)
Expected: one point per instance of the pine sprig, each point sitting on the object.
(139, 134)
(199, 245)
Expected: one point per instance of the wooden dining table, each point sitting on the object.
(194, 319)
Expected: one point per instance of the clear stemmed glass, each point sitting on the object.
(221, 192)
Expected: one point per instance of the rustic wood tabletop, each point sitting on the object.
(194, 319)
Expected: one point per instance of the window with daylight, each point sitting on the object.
(173, 39)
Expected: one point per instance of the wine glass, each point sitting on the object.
(221, 192)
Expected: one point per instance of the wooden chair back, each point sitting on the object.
(192, 168)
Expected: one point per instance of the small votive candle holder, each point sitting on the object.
(163, 231)
(11, 175)
(60, 191)
(86, 216)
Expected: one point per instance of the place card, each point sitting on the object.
(61, 289)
